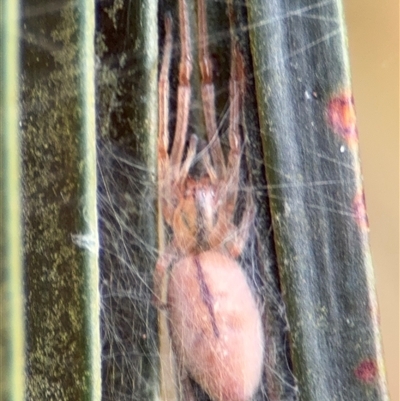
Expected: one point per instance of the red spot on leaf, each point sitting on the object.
(360, 210)
(342, 116)
(367, 370)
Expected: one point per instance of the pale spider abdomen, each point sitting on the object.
(215, 325)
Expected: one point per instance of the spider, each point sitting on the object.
(213, 318)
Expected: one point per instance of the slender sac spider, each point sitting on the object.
(213, 319)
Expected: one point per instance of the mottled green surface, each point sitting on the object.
(11, 292)
(59, 192)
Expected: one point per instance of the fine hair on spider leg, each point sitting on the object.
(213, 317)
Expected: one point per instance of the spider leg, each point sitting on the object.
(191, 154)
(212, 174)
(184, 91)
(208, 94)
(163, 263)
(163, 116)
(222, 227)
(234, 156)
(236, 237)
(236, 244)
(229, 191)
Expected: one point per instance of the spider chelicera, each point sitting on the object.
(213, 318)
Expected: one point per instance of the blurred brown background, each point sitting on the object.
(374, 56)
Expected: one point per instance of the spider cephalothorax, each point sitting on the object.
(213, 318)
(196, 215)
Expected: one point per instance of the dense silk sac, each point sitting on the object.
(215, 325)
